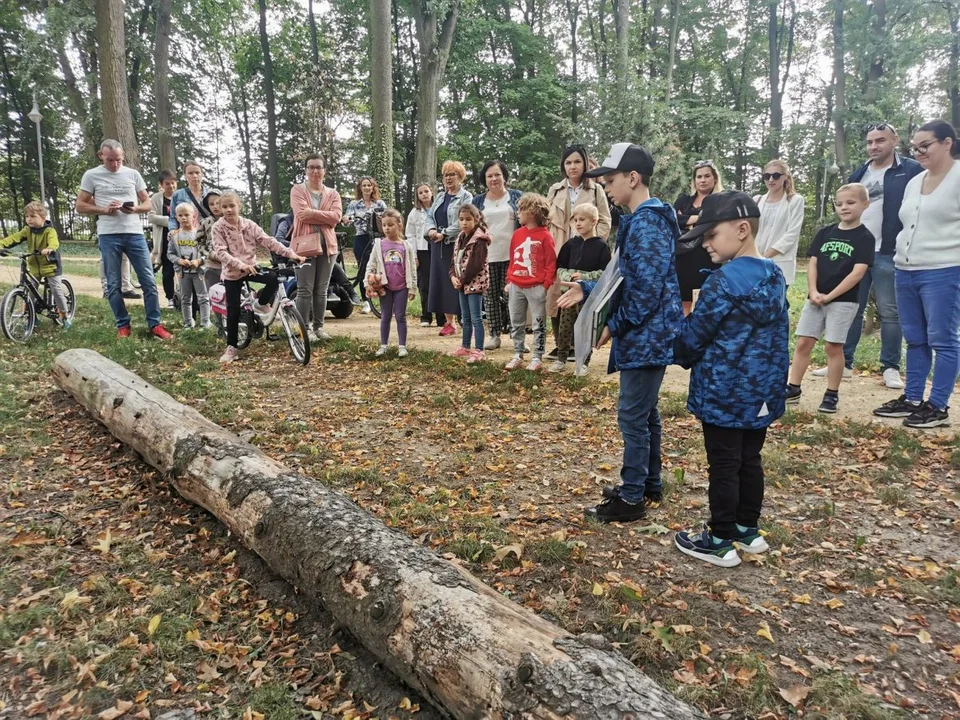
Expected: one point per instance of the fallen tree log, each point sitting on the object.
(471, 651)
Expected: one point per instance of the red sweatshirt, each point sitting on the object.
(533, 258)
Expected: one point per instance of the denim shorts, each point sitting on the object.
(832, 321)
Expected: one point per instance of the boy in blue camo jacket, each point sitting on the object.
(736, 342)
(642, 324)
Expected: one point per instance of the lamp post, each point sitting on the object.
(37, 117)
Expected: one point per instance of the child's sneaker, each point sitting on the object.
(161, 332)
(229, 355)
(581, 372)
(899, 408)
(750, 541)
(701, 545)
(460, 352)
(616, 509)
(447, 330)
(829, 402)
(514, 362)
(123, 332)
(793, 394)
(381, 351)
(492, 343)
(927, 416)
(261, 309)
(67, 323)
(312, 336)
(557, 367)
(535, 365)
(824, 371)
(206, 326)
(402, 351)
(188, 326)
(476, 356)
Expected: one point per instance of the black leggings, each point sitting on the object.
(264, 297)
(167, 272)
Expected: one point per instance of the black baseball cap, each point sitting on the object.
(720, 207)
(625, 157)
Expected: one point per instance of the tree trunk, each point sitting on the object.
(573, 16)
(953, 71)
(381, 87)
(839, 88)
(672, 47)
(471, 651)
(878, 28)
(272, 168)
(136, 65)
(622, 27)
(161, 87)
(314, 40)
(111, 53)
(776, 98)
(435, 36)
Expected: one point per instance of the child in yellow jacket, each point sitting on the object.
(41, 238)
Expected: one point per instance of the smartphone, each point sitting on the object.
(128, 204)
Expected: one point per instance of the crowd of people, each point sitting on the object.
(704, 285)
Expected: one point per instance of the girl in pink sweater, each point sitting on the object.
(235, 241)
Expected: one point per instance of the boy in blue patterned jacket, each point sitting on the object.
(736, 341)
(642, 325)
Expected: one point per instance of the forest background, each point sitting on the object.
(250, 87)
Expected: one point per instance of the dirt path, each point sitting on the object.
(858, 395)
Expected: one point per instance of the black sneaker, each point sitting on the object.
(899, 408)
(616, 509)
(927, 416)
(651, 501)
(131, 295)
(611, 491)
(793, 395)
(829, 403)
(553, 354)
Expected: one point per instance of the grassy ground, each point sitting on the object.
(854, 613)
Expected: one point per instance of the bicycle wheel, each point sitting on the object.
(244, 336)
(17, 315)
(296, 330)
(70, 296)
(375, 305)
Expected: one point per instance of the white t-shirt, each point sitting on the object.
(123, 186)
(872, 217)
(501, 222)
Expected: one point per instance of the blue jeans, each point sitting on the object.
(113, 246)
(639, 422)
(929, 303)
(471, 307)
(881, 276)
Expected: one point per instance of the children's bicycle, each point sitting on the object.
(254, 324)
(28, 299)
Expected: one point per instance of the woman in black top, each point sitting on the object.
(691, 260)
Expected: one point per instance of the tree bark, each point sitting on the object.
(622, 26)
(839, 88)
(878, 29)
(471, 651)
(381, 90)
(435, 37)
(776, 99)
(111, 52)
(953, 68)
(272, 168)
(161, 87)
(672, 47)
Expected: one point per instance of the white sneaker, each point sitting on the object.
(312, 337)
(557, 367)
(261, 309)
(170, 305)
(229, 355)
(322, 335)
(581, 372)
(188, 326)
(366, 307)
(402, 351)
(892, 379)
(424, 323)
(206, 326)
(381, 351)
(535, 364)
(822, 372)
(492, 343)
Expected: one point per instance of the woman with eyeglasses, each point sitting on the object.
(441, 232)
(366, 198)
(928, 278)
(692, 259)
(781, 217)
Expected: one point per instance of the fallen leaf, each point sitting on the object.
(119, 710)
(501, 553)
(801, 599)
(72, 599)
(104, 540)
(924, 637)
(795, 695)
(154, 624)
(764, 632)
(207, 672)
(598, 589)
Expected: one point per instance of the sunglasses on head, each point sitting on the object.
(703, 163)
(771, 176)
(882, 127)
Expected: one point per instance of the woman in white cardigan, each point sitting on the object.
(928, 278)
(781, 217)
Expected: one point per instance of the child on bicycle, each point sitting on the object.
(470, 276)
(184, 253)
(392, 265)
(42, 239)
(235, 241)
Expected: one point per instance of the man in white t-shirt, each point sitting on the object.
(885, 175)
(117, 196)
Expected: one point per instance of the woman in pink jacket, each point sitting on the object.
(235, 241)
(316, 211)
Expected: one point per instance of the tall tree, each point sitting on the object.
(436, 24)
(839, 87)
(272, 170)
(161, 87)
(381, 86)
(111, 54)
(780, 31)
(953, 67)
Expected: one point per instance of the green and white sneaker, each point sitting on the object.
(701, 545)
(751, 541)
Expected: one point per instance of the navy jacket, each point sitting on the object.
(645, 321)
(895, 181)
(737, 342)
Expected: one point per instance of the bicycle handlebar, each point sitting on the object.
(24, 256)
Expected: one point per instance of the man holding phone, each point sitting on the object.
(116, 196)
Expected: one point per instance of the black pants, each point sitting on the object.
(736, 477)
(167, 272)
(264, 297)
(423, 285)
